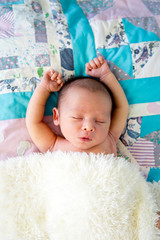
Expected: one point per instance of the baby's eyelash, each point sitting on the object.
(78, 118)
(100, 121)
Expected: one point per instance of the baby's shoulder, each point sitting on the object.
(111, 144)
(111, 138)
(61, 144)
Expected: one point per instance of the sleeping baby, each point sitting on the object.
(91, 112)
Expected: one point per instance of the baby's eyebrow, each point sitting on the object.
(77, 109)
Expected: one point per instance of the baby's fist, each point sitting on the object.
(97, 67)
(52, 81)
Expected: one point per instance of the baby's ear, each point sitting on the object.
(56, 116)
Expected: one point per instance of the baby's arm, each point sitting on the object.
(40, 133)
(99, 68)
(158, 222)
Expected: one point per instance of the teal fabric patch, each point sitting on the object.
(137, 34)
(6, 2)
(120, 56)
(81, 34)
(154, 175)
(141, 90)
(150, 124)
(15, 105)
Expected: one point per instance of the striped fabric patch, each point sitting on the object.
(6, 22)
(143, 152)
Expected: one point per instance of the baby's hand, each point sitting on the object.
(97, 67)
(52, 81)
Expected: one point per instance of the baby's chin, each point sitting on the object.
(85, 146)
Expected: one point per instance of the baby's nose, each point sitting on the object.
(88, 126)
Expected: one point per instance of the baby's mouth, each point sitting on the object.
(85, 139)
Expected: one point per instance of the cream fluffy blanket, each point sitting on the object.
(75, 196)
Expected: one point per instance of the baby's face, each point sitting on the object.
(84, 117)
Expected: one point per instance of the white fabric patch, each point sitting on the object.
(109, 34)
(23, 146)
(145, 57)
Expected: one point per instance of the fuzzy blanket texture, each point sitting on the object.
(68, 196)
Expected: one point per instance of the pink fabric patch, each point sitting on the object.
(123, 9)
(15, 139)
(153, 108)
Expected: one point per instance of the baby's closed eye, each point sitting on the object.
(95, 120)
(76, 118)
(100, 121)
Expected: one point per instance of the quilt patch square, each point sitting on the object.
(153, 6)
(155, 138)
(40, 31)
(143, 152)
(147, 23)
(42, 60)
(94, 7)
(6, 22)
(109, 34)
(7, 2)
(8, 62)
(144, 57)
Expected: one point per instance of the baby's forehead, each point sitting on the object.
(83, 84)
(90, 84)
(78, 99)
(89, 91)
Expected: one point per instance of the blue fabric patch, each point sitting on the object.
(81, 35)
(141, 90)
(67, 59)
(150, 124)
(42, 60)
(8, 62)
(40, 31)
(137, 34)
(15, 105)
(120, 56)
(154, 175)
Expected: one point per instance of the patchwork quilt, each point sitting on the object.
(64, 35)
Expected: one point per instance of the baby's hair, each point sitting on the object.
(90, 83)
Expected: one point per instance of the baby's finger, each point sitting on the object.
(52, 71)
(59, 81)
(88, 67)
(59, 76)
(61, 84)
(48, 72)
(54, 76)
(93, 65)
(101, 59)
(97, 62)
